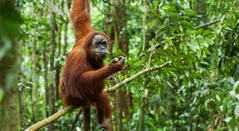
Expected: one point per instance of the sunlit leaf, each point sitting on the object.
(236, 111)
(1, 94)
(228, 119)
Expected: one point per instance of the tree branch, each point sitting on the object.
(54, 8)
(76, 119)
(115, 87)
(50, 119)
(207, 24)
(127, 80)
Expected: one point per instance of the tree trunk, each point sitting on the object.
(9, 111)
(58, 67)
(35, 83)
(123, 101)
(9, 103)
(110, 34)
(86, 122)
(65, 38)
(144, 25)
(46, 78)
(52, 60)
(68, 5)
(21, 99)
(141, 114)
(141, 119)
(119, 110)
(118, 121)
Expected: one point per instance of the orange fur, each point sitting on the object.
(83, 77)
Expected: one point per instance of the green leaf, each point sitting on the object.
(228, 119)
(237, 110)
(209, 41)
(218, 97)
(232, 23)
(206, 32)
(1, 94)
(189, 12)
(165, 46)
(236, 85)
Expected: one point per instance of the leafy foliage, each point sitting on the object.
(199, 90)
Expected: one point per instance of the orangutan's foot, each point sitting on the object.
(106, 126)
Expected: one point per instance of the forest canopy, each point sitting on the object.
(181, 72)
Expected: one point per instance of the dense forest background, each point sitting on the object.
(194, 45)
